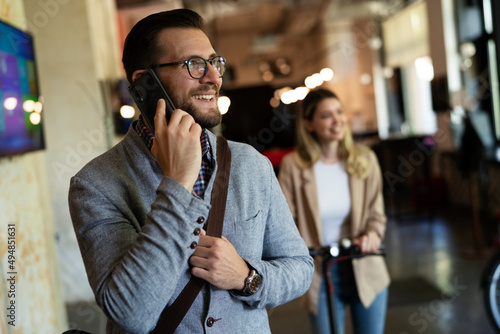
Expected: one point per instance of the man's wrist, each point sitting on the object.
(242, 279)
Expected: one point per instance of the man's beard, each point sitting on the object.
(206, 120)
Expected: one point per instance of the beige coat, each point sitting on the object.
(367, 213)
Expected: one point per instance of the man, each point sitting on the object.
(138, 209)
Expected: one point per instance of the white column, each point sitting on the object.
(76, 48)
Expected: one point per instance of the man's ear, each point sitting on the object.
(136, 75)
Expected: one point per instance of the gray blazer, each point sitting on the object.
(134, 228)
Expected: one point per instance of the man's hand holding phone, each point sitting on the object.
(177, 145)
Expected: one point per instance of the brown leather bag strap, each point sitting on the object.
(172, 317)
(219, 192)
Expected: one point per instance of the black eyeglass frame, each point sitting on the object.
(222, 60)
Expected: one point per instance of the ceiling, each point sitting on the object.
(271, 23)
(272, 16)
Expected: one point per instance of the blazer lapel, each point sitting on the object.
(310, 192)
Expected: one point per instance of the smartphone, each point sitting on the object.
(146, 91)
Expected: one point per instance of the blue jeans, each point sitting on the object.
(369, 320)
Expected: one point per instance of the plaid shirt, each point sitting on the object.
(206, 158)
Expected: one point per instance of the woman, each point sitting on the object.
(334, 189)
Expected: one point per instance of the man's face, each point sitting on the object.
(198, 97)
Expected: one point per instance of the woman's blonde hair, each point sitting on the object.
(308, 151)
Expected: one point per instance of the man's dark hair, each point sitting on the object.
(141, 45)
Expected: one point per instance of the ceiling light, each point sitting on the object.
(326, 74)
(224, 102)
(127, 111)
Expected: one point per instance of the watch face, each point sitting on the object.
(255, 283)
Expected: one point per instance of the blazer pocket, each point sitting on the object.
(246, 233)
(237, 228)
(247, 223)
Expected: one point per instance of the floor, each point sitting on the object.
(435, 272)
(435, 279)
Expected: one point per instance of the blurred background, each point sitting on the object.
(418, 81)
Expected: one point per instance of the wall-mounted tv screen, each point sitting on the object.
(21, 107)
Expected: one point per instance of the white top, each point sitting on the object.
(334, 198)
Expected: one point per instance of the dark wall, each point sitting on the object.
(252, 120)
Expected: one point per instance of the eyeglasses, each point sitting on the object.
(198, 67)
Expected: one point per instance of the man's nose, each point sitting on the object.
(213, 75)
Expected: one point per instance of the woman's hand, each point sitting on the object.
(368, 242)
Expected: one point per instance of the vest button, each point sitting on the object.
(210, 322)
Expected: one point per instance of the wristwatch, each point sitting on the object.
(252, 283)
